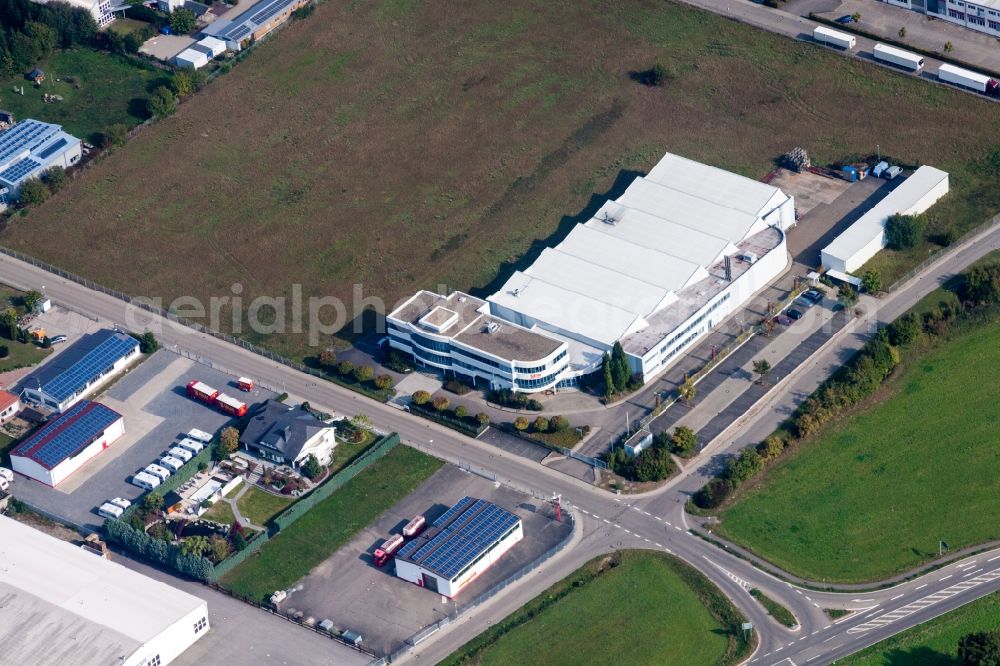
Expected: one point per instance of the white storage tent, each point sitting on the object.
(191, 58)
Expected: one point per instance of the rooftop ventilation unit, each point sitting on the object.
(492, 327)
(515, 292)
(607, 219)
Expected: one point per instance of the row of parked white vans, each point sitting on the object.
(176, 457)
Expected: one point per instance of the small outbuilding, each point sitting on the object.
(210, 46)
(191, 59)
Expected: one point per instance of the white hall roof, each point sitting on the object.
(713, 184)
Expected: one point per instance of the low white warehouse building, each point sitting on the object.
(64, 605)
(862, 240)
(461, 544)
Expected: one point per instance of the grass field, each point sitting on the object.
(398, 145)
(330, 524)
(670, 610)
(260, 507)
(220, 512)
(874, 494)
(934, 643)
(111, 90)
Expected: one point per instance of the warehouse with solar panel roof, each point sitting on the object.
(79, 370)
(461, 544)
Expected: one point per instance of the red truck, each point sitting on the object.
(385, 552)
(414, 527)
(202, 392)
(230, 405)
(245, 384)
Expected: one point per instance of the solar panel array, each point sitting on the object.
(468, 529)
(96, 362)
(66, 435)
(267, 10)
(50, 150)
(19, 170)
(25, 134)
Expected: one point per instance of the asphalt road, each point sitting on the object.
(653, 520)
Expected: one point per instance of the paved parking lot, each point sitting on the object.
(156, 409)
(349, 590)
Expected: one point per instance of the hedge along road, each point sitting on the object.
(655, 521)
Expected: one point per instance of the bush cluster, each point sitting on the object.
(508, 398)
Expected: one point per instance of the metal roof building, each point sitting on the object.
(252, 24)
(461, 544)
(67, 442)
(27, 149)
(79, 369)
(862, 240)
(64, 605)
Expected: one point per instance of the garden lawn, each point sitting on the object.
(874, 494)
(933, 643)
(220, 512)
(111, 90)
(330, 524)
(260, 507)
(644, 611)
(21, 355)
(392, 146)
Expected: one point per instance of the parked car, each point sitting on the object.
(804, 302)
(892, 172)
(813, 295)
(845, 19)
(793, 313)
(783, 320)
(56, 339)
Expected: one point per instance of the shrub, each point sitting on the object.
(4, 351)
(457, 387)
(771, 447)
(904, 231)
(183, 21)
(541, 424)
(652, 464)
(312, 469)
(521, 423)
(713, 493)
(363, 373)
(33, 192)
(558, 423)
(441, 403)
(904, 330)
(483, 418)
(534, 405)
(345, 367)
(684, 441)
(656, 75)
(383, 382)
(162, 103)
(55, 178)
(461, 411)
(871, 283)
(420, 397)
(327, 359)
(745, 466)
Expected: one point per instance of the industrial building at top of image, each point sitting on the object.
(656, 269)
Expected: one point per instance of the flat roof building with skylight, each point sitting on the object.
(682, 249)
(27, 149)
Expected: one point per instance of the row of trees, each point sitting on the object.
(363, 374)
(617, 375)
(30, 32)
(441, 405)
(542, 424)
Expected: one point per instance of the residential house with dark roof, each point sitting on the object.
(288, 435)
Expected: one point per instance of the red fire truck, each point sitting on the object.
(385, 552)
(230, 405)
(202, 392)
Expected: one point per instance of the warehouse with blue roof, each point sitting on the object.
(67, 442)
(79, 370)
(28, 149)
(462, 543)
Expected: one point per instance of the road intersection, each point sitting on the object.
(654, 520)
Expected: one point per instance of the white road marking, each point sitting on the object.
(677, 528)
(606, 520)
(945, 577)
(798, 591)
(815, 632)
(658, 545)
(993, 558)
(921, 587)
(898, 596)
(829, 639)
(861, 601)
(811, 658)
(658, 518)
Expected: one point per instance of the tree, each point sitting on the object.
(761, 367)
(620, 372)
(55, 178)
(847, 296)
(114, 135)
(441, 403)
(982, 285)
(345, 367)
(684, 441)
(541, 424)
(4, 351)
(187, 81)
(162, 103)
(609, 380)
(871, 282)
(363, 373)
(483, 418)
(771, 447)
(219, 451)
(33, 192)
(196, 545)
(219, 548)
(904, 330)
(32, 299)
(230, 439)
(652, 464)
(362, 422)
(420, 397)
(147, 342)
(383, 382)
(981, 648)
(153, 502)
(687, 391)
(8, 323)
(327, 359)
(745, 466)
(904, 231)
(856, 17)
(461, 411)
(521, 423)
(183, 21)
(558, 423)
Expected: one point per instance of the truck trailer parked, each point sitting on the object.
(231, 405)
(414, 527)
(898, 57)
(841, 40)
(969, 79)
(385, 552)
(202, 392)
